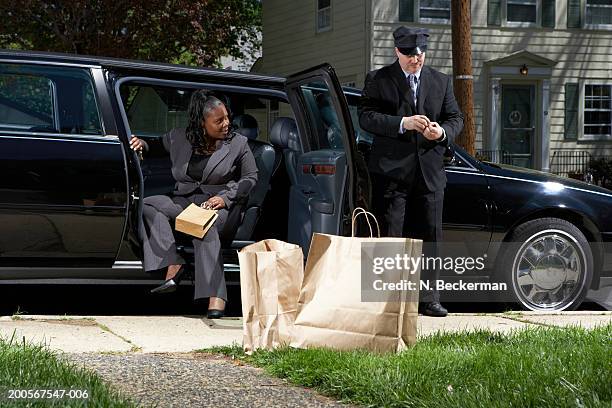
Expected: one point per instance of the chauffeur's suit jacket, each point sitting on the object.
(387, 98)
(231, 171)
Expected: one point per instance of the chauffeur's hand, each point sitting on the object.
(416, 122)
(433, 131)
(214, 203)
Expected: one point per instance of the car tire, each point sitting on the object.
(547, 264)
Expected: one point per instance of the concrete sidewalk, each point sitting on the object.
(181, 334)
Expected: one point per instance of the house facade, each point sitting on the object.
(542, 68)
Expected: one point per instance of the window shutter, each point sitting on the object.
(573, 14)
(571, 111)
(548, 13)
(406, 10)
(494, 13)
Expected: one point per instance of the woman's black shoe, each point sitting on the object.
(215, 314)
(170, 285)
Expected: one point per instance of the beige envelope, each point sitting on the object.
(195, 220)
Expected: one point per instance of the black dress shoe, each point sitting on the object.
(170, 285)
(215, 314)
(434, 309)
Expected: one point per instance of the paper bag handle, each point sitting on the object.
(360, 211)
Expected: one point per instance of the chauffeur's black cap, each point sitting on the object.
(411, 41)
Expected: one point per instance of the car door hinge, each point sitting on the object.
(135, 197)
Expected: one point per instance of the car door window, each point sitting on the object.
(326, 132)
(361, 136)
(26, 102)
(155, 110)
(48, 99)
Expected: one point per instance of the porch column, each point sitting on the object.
(494, 134)
(545, 131)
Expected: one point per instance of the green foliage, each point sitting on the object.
(601, 169)
(543, 367)
(185, 31)
(26, 366)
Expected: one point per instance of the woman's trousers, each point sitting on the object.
(159, 243)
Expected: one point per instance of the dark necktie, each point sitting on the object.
(412, 80)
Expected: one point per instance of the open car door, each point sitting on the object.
(329, 174)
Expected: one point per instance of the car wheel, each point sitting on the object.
(547, 264)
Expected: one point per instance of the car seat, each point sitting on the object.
(267, 161)
(284, 134)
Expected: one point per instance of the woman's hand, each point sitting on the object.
(136, 144)
(213, 203)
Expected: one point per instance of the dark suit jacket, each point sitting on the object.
(230, 173)
(386, 98)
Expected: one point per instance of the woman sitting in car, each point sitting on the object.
(213, 168)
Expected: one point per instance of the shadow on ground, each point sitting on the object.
(105, 300)
(136, 300)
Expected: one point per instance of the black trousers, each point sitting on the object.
(411, 211)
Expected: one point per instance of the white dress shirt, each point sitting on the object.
(418, 83)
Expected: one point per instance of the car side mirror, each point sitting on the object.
(449, 156)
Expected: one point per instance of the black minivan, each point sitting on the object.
(71, 189)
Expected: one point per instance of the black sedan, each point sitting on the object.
(550, 237)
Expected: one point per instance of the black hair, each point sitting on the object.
(200, 105)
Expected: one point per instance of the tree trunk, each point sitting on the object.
(462, 71)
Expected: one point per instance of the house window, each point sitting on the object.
(434, 10)
(522, 11)
(324, 15)
(598, 13)
(425, 11)
(597, 111)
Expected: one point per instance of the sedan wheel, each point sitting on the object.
(551, 265)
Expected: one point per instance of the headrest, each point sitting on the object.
(284, 134)
(246, 125)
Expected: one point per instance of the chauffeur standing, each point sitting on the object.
(412, 113)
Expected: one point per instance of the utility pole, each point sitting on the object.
(463, 81)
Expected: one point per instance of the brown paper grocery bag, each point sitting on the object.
(271, 273)
(331, 312)
(195, 221)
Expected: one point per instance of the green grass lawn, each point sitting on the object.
(536, 367)
(26, 366)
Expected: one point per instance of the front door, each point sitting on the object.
(518, 124)
(331, 176)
